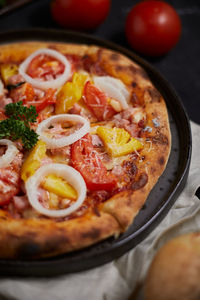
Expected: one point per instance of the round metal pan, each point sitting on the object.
(161, 197)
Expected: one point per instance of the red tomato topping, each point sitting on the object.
(27, 94)
(44, 66)
(47, 99)
(87, 161)
(97, 102)
(153, 27)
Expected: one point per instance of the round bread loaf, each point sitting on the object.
(175, 271)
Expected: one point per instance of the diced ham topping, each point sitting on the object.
(46, 161)
(76, 109)
(15, 79)
(4, 101)
(5, 188)
(92, 67)
(132, 129)
(58, 131)
(96, 141)
(63, 151)
(10, 180)
(20, 203)
(2, 115)
(43, 197)
(118, 170)
(131, 120)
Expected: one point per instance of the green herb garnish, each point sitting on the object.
(17, 126)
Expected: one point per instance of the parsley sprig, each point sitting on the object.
(17, 125)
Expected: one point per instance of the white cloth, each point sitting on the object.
(118, 279)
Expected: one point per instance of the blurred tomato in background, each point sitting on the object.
(153, 27)
(80, 14)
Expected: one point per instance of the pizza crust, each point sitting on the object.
(36, 238)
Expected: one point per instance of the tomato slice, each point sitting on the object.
(43, 66)
(86, 160)
(97, 102)
(48, 99)
(27, 94)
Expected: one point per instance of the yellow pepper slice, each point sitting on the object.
(70, 93)
(8, 70)
(58, 186)
(118, 141)
(33, 161)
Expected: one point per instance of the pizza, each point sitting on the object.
(84, 137)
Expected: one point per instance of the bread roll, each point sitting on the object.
(175, 271)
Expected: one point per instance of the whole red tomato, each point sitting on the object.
(80, 14)
(153, 27)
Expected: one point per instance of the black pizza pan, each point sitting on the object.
(161, 198)
(12, 5)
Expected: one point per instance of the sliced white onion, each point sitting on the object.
(53, 83)
(1, 88)
(138, 114)
(114, 88)
(53, 143)
(118, 84)
(68, 173)
(10, 153)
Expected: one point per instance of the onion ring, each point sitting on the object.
(53, 143)
(114, 88)
(10, 153)
(1, 88)
(69, 174)
(53, 83)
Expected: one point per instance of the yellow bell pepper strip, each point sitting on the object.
(58, 186)
(70, 93)
(8, 70)
(118, 141)
(33, 161)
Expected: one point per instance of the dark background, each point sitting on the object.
(181, 66)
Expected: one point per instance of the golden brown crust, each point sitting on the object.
(45, 237)
(175, 271)
(35, 238)
(155, 154)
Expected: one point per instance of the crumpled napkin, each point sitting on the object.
(121, 278)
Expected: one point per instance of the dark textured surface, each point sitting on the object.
(181, 66)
